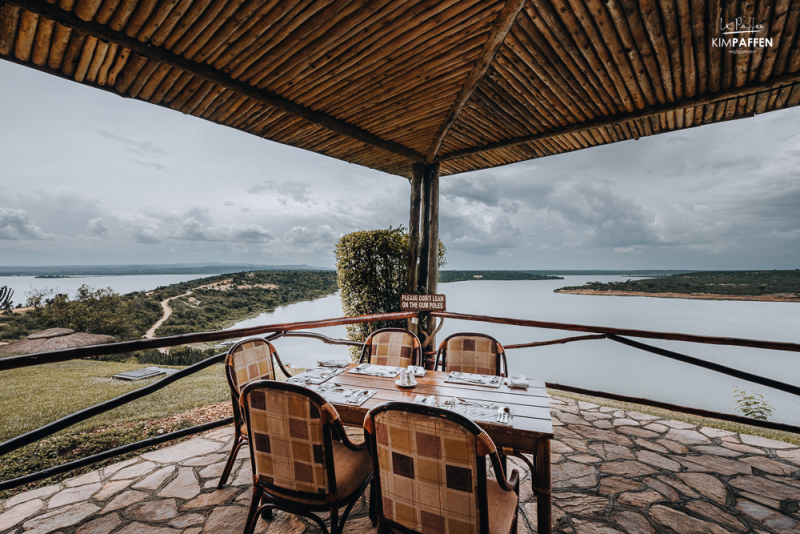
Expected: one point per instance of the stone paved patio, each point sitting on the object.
(613, 471)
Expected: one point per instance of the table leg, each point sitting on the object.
(542, 486)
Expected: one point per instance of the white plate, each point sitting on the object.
(411, 385)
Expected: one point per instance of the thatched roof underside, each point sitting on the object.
(470, 83)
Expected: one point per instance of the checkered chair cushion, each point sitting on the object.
(288, 440)
(251, 361)
(427, 472)
(396, 348)
(471, 354)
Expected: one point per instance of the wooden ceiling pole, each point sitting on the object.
(210, 74)
(650, 111)
(505, 19)
(417, 170)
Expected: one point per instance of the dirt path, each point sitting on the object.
(151, 333)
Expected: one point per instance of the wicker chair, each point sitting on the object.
(247, 361)
(392, 346)
(472, 353)
(430, 473)
(299, 467)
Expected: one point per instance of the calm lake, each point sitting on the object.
(602, 364)
(121, 284)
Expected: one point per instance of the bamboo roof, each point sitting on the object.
(470, 84)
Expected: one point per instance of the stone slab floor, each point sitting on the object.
(613, 471)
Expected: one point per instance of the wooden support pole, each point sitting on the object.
(431, 188)
(417, 171)
(422, 262)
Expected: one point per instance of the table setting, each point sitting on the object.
(490, 381)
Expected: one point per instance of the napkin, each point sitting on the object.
(333, 363)
(427, 401)
(518, 381)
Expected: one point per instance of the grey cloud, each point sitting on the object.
(139, 147)
(301, 235)
(16, 225)
(296, 191)
(789, 235)
(97, 227)
(252, 234)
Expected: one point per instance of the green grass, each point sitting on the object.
(33, 396)
(788, 437)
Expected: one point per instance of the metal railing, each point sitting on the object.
(275, 331)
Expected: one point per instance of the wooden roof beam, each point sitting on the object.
(212, 75)
(503, 23)
(612, 120)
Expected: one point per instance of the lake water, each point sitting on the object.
(121, 284)
(602, 364)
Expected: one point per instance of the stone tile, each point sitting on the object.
(183, 486)
(767, 516)
(73, 495)
(212, 499)
(125, 499)
(88, 478)
(792, 455)
(637, 431)
(226, 518)
(747, 449)
(707, 485)
(205, 460)
(573, 474)
(134, 471)
(625, 422)
(714, 513)
(39, 493)
(585, 458)
(101, 525)
(593, 527)
(155, 479)
(609, 451)
(715, 464)
(213, 470)
(767, 488)
(244, 477)
(633, 522)
(142, 528)
(187, 520)
(678, 424)
(657, 427)
(284, 524)
(614, 485)
(602, 435)
(183, 451)
(680, 522)
(716, 450)
(587, 405)
(220, 434)
(629, 468)
(772, 503)
(153, 511)
(639, 499)
(652, 446)
(19, 513)
(758, 441)
(582, 504)
(685, 490)
(770, 466)
(605, 425)
(61, 518)
(686, 437)
(560, 447)
(667, 490)
(110, 489)
(658, 460)
(113, 468)
(713, 432)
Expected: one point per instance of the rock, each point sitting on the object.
(651, 446)
(639, 499)
(685, 490)
(628, 468)
(228, 519)
(663, 488)
(88, 478)
(582, 504)
(101, 525)
(767, 488)
(212, 499)
(715, 464)
(73, 495)
(769, 465)
(657, 460)
(286, 524)
(625, 422)
(559, 447)
(188, 520)
(153, 511)
(39, 493)
(710, 511)
(706, 485)
(758, 441)
(184, 486)
(244, 477)
(614, 485)
(657, 427)
(609, 451)
(213, 470)
(673, 446)
(713, 432)
(125, 499)
(183, 451)
(633, 522)
(686, 437)
(205, 460)
(768, 517)
(113, 468)
(592, 527)
(573, 474)
(790, 455)
(585, 458)
(17, 514)
(598, 434)
(154, 480)
(603, 424)
(61, 518)
(716, 450)
(772, 503)
(110, 489)
(680, 522)
(134, 471)
(587, 405)
(672, 423)
(141, 528)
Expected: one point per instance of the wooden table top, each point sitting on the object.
(530, 407)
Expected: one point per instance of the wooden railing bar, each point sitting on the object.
(325, 339)
(111, 453)
(15, 362)
(709, 340)
(730, 371)
(676, 408)
(554, 341)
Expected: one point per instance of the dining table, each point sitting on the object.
(527, 433)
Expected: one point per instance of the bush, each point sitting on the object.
(752, 404)
(372, 267)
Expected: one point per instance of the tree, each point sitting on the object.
(372, 270)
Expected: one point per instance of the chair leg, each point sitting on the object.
(334, 520)
(266, 514)
(237, 444)
(373, 507)
(250, 525)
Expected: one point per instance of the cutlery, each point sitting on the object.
(506, 414)
(472, 403)
(449, 403)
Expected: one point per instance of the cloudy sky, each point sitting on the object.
(90, 178)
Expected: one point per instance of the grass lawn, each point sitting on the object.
(33, 396)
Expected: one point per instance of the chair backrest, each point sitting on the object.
(472, 353)
(430, 466)
(249, 360)
(289, 429)
(392, 346)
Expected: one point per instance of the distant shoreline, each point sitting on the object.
(775, 297)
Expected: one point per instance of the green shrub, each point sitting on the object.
(752, 404)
